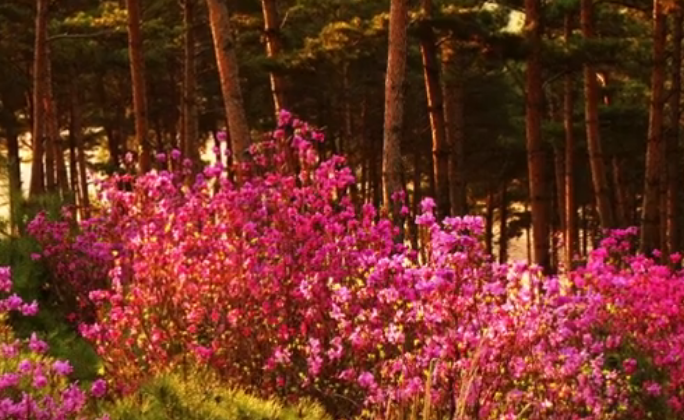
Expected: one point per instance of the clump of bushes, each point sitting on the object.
(279, 282)
(34, 385)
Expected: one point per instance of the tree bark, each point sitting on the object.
(571, 234)
(77, 135)
(16, 194)
(503, 220)
(273, 49)
(650, 216)
(435, 103)
(224, 47)
(489, 223)
(536, 156)
(394, 105)
(190, 132)
(37, 186)
(55, 164)
(137, 63)
(453, 95)
(673, 149)
(591, 118)
(559, 227)
(622, 208)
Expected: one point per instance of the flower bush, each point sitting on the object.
(32, 384)
(271, 274)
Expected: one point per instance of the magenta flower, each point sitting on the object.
(98, 388)
(63, 368)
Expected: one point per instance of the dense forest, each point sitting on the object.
(251, 209)
(562, 111)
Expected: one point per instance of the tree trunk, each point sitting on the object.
(503, 220)
(539, 195)
(415, 202)
(77, 135)
(591, 100)
(440, 151)
(622, 209)
(571, 234)
(190, 133)
(559, 227)
(224, 47)
(394, 105)
(15, 192)
(673, 150)
(489, 223)
(273, 49)
(528, 236)
(650, 218)
(51, 130)
(73, 159)
(453, 95)
(137, 60)
(37, 186)
(55, 164)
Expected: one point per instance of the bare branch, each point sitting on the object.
(74, 36)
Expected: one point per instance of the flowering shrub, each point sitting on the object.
(282, 285)
(32, 384)
(645, 309)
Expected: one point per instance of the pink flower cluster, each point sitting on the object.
(284, 285)
(32, 384)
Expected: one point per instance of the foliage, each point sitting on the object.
(33, 385)
(33, 280)
(199, 394)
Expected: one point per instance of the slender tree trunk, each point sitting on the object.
(454, 119)
(536, 157)
(528, 235)
(585, 230)
(619, 183)
(394, 105)
(37, 186)
(137, 60)
(559, 231)
(190, 133)
(77, 135)
(57, 173)
(224, 47)
(571, 232)
(591, 100)
(673, 149)
(622, 212)
(73, 160)
(16, 194)
(435, 103)
(273, 49)
(650, 218)
(489, 223)
(416, 199)
(50, 131)
(503, 220)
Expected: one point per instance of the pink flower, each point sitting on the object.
(37, 345)
(367, 380)
(652, 388)
(63, 368)
(98, 388)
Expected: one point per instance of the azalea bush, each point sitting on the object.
(34, 385)
(269, 273)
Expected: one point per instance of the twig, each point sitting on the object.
(73, 36)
